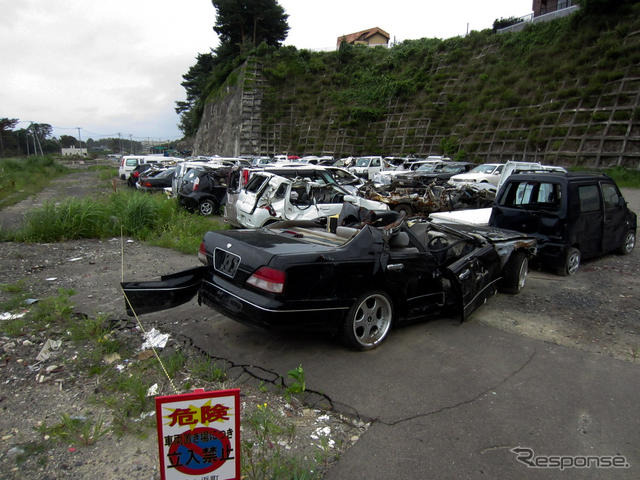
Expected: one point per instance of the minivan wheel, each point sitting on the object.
(368, 321)
(515, 273)
(628, 243)
(207, 207)
(571, 261)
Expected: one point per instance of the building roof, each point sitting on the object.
(363, 35)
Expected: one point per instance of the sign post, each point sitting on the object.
(199, 435)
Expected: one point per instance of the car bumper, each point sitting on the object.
(254, 309)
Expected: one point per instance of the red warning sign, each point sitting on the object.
(199, 435)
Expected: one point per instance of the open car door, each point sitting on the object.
(474, 277)
(168, 292)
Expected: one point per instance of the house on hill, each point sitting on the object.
(372, 37)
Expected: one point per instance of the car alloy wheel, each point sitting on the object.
(368, 320)
(629, 243)
(207, 208)
(572, 262)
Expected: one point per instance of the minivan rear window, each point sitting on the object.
(532, 195)
(132, 162)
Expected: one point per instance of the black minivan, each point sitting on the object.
(572, 215)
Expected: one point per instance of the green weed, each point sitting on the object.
(78, 430)
(207, 370)
(298, 385)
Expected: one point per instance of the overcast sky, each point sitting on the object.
(115, 66)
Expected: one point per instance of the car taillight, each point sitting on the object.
(147, 184)
(271, 210)
(268, 279)
(202, 253)
(196, 182)
(245, 176)
(136, 174)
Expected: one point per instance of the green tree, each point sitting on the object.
(6, 125)
(241, 25)
(66, 141)
(250, 22)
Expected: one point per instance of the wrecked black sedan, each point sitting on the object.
(356, 276)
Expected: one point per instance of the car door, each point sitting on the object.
(474, 277)
(409, 274)
(168, 292)
(587, 229)
(615, 213)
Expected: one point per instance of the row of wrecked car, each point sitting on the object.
(318, 249)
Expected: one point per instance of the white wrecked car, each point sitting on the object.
(268, 197)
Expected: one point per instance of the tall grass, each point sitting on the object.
(152, 218)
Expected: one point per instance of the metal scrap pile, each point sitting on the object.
(435, 197)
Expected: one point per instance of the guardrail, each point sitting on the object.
(547, 17)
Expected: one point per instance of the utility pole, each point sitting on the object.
(79, 137)
(131, 144)
(120, 143)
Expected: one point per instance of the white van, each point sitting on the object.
(512, 167)
(130, 162)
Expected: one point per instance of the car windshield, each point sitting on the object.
(452, 168)
(427, 167)
(483, 169)
(343, 177)
(363, 162)
(166, 173)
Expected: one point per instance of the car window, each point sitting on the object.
(375, 162)
(542, 195)
(498, 170)
(362, 162)
(610, 195)
(191, 175)
(281, 191)
(132, 162)
(589, 197)
(255, 183)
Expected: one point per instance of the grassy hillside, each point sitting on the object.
(566, 91)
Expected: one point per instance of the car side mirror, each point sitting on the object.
(350, 199)
(622, 202)
(294, 196)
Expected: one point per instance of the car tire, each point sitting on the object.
(628, 243)
(207, 207)
(515, 273)
(571, 263)
(368, 321)
(403, 207)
